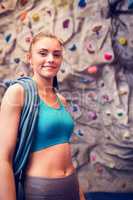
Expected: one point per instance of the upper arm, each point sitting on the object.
(10, 111)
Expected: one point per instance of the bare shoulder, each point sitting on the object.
(14, 95)
(63, 99)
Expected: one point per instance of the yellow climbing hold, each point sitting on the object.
(35, 17)
(122, 41)
(60, 2)
(123, 92)
(111, 164)
(126, 135)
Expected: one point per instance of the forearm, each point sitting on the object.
(7, 183)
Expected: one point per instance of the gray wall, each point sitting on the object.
(96, 78)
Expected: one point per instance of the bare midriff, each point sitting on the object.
(52, 162)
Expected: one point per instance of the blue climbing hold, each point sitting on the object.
(8, 37)
(130, 4)
(73, 48)
(17, 60)
(75, 109)
(88, 79)
(79, 133)
(82, 3)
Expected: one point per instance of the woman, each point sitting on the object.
(50, 173)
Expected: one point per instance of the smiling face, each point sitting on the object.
(46, 57)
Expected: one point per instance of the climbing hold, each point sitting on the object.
(17, 60)
(96, 29)
(86, 80)
(90, 47)
(79, 133)
(62, 70)
(23, 2)
(23, 15)
(101, 83)
(108, 113)
(108, 56)
(123, 92)
(82, 80)
(28, 39)
(60, 3)
(92, 115)
(99, 169)
(93, 157)
(82, 3)
(106, 99)
(92, 95)
(66, 23)
(120, 114)
(8, 37)
(111, 164)
(73, 48)
(74, 108)
(92, 70)
(35, 17)
(107, 136)
(49, 12)
(126, 135)
(122, 41)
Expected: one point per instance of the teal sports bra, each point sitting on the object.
(53, 126)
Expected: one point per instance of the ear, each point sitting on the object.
(28, 57)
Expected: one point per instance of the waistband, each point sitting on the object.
(73, 174)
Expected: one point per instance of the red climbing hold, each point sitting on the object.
(108, 56)
(23, 2)
(92, 70)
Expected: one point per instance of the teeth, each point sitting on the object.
(46, 67)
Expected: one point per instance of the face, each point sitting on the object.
(46, 57)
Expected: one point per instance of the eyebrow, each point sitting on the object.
(56, 51)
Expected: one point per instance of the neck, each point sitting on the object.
(44, 85)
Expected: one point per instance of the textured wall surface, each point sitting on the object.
(96, 77)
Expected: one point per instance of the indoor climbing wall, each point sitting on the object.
(96, 77)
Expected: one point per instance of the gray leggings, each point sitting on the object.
(40, 188)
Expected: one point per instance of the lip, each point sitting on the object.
(49, 66)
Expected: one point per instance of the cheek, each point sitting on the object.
(36, 59)
(59, 62)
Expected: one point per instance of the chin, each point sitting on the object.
(48, 75)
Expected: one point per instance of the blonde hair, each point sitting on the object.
(40, 35)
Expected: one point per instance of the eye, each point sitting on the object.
(57, 55)
(42, 53)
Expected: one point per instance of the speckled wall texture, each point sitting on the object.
(96, 77)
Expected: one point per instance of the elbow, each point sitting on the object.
(5, 165)
(4, 159)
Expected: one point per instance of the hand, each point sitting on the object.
(82, 196)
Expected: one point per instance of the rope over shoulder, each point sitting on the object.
(27, 122)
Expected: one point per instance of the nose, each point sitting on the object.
(50, 58)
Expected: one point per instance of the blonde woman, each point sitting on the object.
(50, 173)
